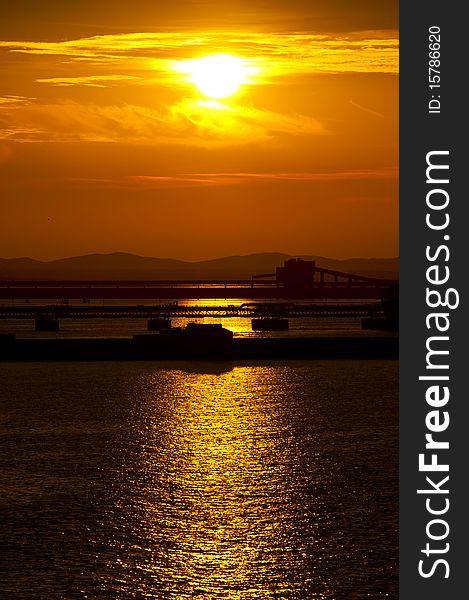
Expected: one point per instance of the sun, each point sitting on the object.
(217, 76)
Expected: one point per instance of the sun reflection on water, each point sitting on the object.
(220, 473)
(239, 482)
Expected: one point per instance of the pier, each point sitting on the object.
(186, 290)
(269, 300)
(173, 310)
(198, 345)
(297, 279)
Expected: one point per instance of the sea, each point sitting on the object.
(210, 480)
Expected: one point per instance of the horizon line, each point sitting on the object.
(193, 261)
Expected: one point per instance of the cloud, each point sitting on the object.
(278, 54)
(9, 100)
(189, 122)
(190, 180)
(89, 80)
(370, 111)
(152, 59)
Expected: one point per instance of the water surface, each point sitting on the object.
(196, 480)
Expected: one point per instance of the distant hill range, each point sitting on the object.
(130, 266)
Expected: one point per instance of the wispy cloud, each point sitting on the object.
(279, 54)
(231, 178)
(189, 180)
(370, 111)
(189, 122)
(7, 101)
(152, 59)
(89, 80)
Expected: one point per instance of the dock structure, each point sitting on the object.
(295, 280)
(196, 343)
(165, 312)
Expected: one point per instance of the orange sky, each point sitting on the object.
(106, 146)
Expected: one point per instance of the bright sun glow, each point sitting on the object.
(219, 75)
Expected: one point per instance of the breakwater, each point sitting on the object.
(180, 346)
